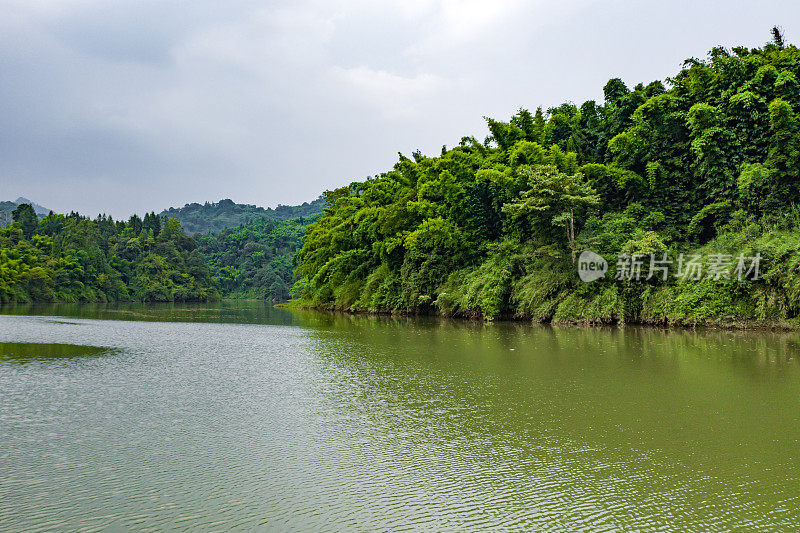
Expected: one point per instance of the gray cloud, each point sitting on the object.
(140, 105)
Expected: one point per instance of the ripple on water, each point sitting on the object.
(218, 426)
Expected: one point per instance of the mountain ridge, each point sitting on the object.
(226, 214)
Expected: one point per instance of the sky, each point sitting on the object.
(130, 106)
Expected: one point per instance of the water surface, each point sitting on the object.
(239, 415)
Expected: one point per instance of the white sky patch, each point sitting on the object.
(464, 19)
(393, 95)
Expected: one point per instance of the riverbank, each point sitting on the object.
(722, 323)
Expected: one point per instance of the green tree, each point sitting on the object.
(554, 199)
(25, 217)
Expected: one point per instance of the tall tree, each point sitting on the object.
(555, 199)
(25, 217)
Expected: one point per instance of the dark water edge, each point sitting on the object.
(220, 311)
(231, 310)
(723, 324)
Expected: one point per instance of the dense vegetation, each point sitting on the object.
(706, 163)
(255, 260)
(197, 218)
(73, 258)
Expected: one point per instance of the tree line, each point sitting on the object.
(255, 260)
(225, 214)
(703, 165)
(73, 258)
(76, 259)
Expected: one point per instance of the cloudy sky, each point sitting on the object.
(127, 106)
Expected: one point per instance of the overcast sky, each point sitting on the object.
(127, 106)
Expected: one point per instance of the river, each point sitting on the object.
(237, 415)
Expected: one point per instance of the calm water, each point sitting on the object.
(238, 415)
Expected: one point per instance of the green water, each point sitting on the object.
(236, 415)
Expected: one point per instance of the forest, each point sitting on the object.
(58, 258)
(255, 260)
(71, 258)
(226, 214)
(704, 164)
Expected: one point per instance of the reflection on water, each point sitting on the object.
(238, 415)
(226, 311)
(33, 351)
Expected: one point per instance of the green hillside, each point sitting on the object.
(706, 163)
(255, 260)
(74, 258)
(225, 214)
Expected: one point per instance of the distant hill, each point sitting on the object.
(6, 207)
(255, 260)
(202, 218)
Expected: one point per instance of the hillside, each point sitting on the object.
(700, 170)
(76, 259)
(6, 207)
(225, 214)
(255, 260)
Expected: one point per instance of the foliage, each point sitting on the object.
(255, 260)
(704, 163)
(225, 214)
(554, 198)
(73, 258)
(7, 208)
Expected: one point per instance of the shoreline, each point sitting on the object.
(739, 324)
